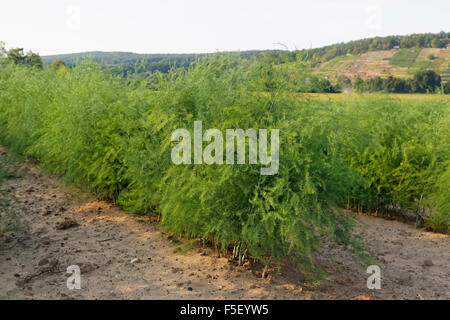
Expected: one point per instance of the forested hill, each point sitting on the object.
(124, 58)
(153, 62)
(399, 56)
(417, 40)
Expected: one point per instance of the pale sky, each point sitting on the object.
(198, 26)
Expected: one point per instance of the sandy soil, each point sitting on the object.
(47, 227)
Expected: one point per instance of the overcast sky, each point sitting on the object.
(175, 26)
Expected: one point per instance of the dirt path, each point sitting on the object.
(46, 229)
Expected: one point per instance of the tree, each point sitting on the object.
(396, 85)
(344, 84)
(33, 60)
(374, 84)
(427, 81)
(16, 55)
(57, 63)
(319, 85)
(2, 50)
(59, 66)
(412, 85)
(447, 88)
(358, 85)
(437, 43)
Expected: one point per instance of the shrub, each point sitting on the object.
(406, 164)
(114, 137)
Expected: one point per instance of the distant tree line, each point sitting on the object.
(128, 63)
(425, 81)
(316, 84)
(18, 57)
